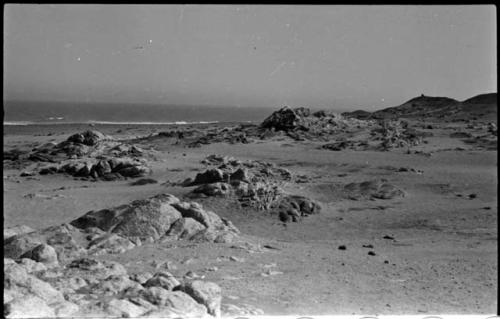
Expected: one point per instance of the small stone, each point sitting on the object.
(371, 253)
(342, 247)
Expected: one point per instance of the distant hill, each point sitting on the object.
(482, 106)
(489, 98)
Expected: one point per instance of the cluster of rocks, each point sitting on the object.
(302, 124)
(375, 189)
(396, 134)
(87, 287)
(91, 154)
(299, 124)
(255, 184)
(53, 272)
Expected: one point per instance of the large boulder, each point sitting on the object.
(141, 218)
(43, 253)
(284, 119)
(209, 176)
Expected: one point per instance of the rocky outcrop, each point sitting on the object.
(54, 270)
(91, 154)
(254, 184)
(114, 230)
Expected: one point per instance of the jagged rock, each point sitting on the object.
(185, 228)
(16, 230)
(29, 306)
(206, 293)
(175, 303)
(241, 174)
(210, 176)
(283, 120)
(19, 283)
(162, 279)
(17, 245)
(43, 253)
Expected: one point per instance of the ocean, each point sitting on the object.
(41, 113)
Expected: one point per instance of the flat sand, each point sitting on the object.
(442, 258)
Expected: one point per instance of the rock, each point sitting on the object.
(102, 168)
(230, 310)
(20, 283)
(115, 284)
(373, 189)
(342, 247)
(124, 308)
(32, 266)
(134, 171)
(141, 218)
(43, 253)
(292, 207)
(16, 230)
(185, 228)
(241, 174)
(142, 277)
(164, 280)
(194, 210)
(17, 245)
(65, 309)
(89, 138)
(206, 293)
(173, 304)
(144, 181)
(225, 237)
(28, 306)
(110, 243)
(371, 253)
(284, 119)
(86, 264)
(209, 176)
(215, 189)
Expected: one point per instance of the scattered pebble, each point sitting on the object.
(472, 196)
(271, 273)
(237, 259)
(371, 253)
(388, 237)
(368, 246)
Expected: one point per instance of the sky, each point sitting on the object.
(320, 56)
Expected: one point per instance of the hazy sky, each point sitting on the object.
(317, 56)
